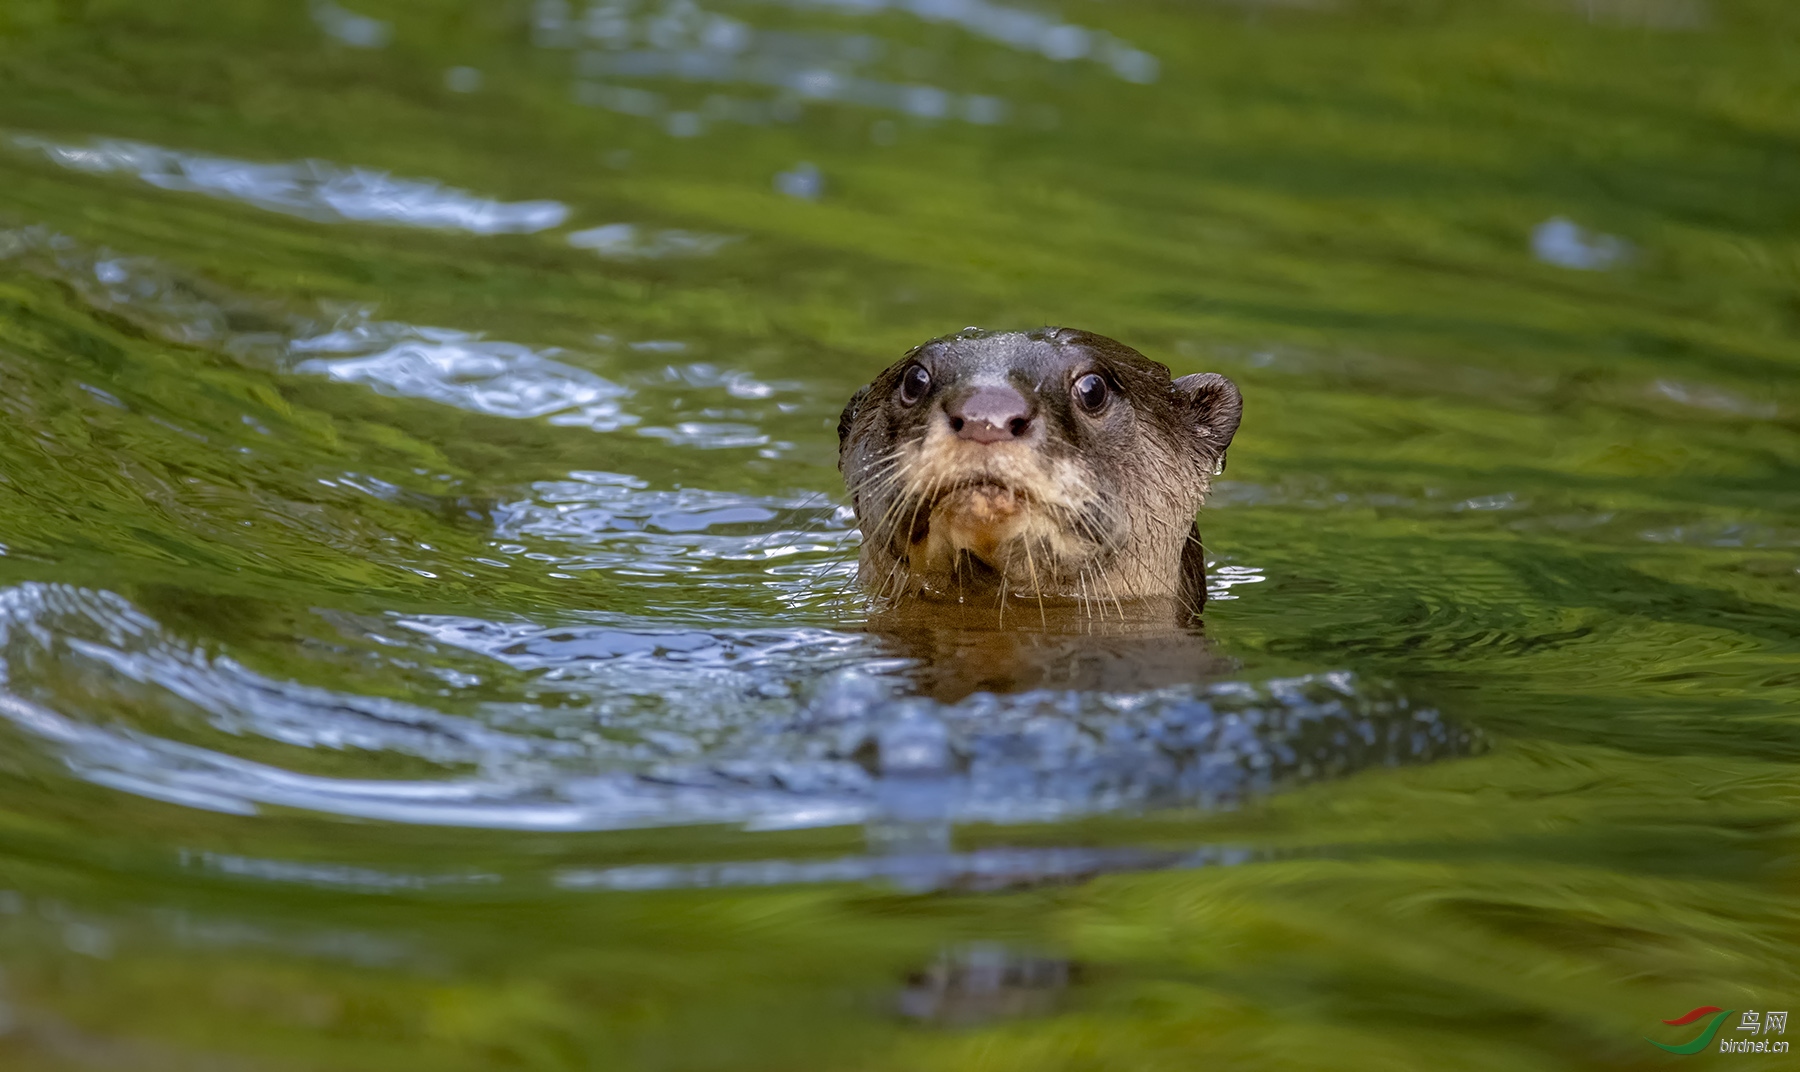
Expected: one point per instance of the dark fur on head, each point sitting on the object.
(993, 472)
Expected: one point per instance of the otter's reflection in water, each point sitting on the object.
(983, 982)
(990, 718)
(957, 650)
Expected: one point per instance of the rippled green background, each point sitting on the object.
(1561, 504)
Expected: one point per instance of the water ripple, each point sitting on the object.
(981, 870)
(47, 630)
(357, 31)
(460, 369)
(807, 83)
(614, 521)
(680, 41)
(311, 189)
(627, 241)
(687, 726)
(1017, 28)
(443, 365)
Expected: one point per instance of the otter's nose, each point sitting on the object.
(990, 415)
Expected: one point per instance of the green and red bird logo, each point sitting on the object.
(1704, 1038)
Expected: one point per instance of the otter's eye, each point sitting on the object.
(914, 382)
(1091, 392)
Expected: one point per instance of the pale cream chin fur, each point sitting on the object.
(1019, 513)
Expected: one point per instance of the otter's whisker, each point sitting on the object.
(885, 529)
(1031, 564)
(1099, 603)
(1118, 604)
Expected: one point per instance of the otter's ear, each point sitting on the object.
(1213, 407)
(848, 417)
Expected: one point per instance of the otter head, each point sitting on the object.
(1055, 464)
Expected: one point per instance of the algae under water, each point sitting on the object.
(426, 639)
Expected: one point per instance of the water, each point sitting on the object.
(427, 629)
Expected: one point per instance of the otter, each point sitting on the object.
(1056, 465)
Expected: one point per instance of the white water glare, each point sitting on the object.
(456, 368)
(312, 189)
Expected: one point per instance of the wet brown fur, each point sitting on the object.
(1091, 509)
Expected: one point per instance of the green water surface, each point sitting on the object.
(1512, 291)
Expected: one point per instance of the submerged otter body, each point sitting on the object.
(1057, 466)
